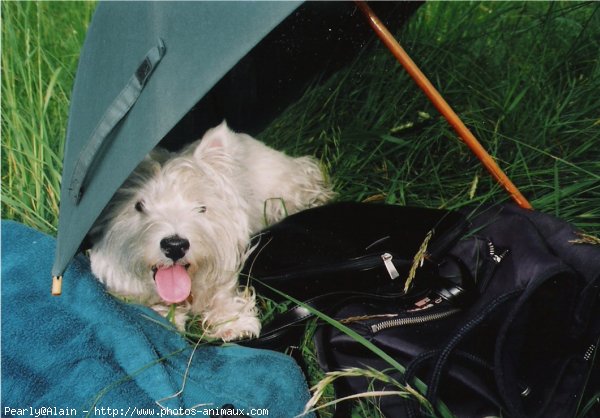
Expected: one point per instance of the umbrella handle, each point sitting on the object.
(56, 285)
(441, 105)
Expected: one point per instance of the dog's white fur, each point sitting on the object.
(216, 193)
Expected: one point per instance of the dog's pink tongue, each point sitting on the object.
(173, 284)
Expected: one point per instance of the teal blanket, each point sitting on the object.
(87, 353)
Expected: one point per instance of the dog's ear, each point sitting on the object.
(216, 142)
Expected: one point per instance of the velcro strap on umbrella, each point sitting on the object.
(115, 113)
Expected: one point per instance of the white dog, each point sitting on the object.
(178, 230)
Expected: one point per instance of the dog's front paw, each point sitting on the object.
(236, 329)
(232, 315)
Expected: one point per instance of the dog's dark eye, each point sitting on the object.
(139, 206)
(201, 209)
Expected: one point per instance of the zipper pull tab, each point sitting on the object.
(496, 257)
(389, 266)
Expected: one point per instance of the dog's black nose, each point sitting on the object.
(174, 247)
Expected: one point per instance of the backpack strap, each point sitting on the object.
(442, 361)
(444, 353)
(585, 314)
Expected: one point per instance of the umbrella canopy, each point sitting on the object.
(152, 71)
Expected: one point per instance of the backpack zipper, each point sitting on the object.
(492, 250)
(588, 353)
(401, 322)
(363, 263)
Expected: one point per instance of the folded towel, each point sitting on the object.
(86, 352)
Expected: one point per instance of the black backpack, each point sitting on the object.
(502, 317)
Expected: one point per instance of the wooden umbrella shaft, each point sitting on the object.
(442, 106)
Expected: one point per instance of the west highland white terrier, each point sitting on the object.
(178, 230)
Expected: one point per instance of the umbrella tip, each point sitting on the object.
(56, 285)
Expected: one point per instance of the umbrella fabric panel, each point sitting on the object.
(203, 40)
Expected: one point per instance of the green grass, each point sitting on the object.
(40, 48)
(523, 76)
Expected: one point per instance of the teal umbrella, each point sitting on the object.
(152, 71)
